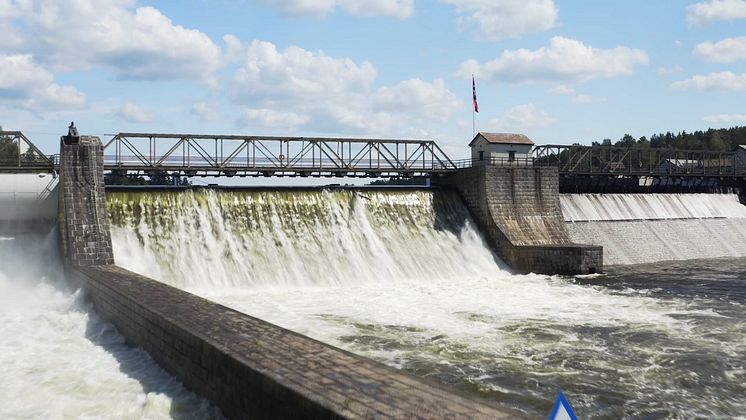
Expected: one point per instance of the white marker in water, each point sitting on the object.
(562, 409)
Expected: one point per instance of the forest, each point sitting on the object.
(720, 139)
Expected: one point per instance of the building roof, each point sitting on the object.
(503, 138)
(741, 146)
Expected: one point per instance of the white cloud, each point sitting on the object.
(137, 43)
(8, 9)
(726, 119)
(266, 72)
(588, 99)
(133, 113)
(319, 8)
(715, 10)
(663, 71)
(499, 19)
(206, 112)
(524, 116)
(269, 118)
(563, 60)
(562, 90)
(723, 81)
(417, 97)
(726, 51)
(578, 98)
(334, 93)
(677, 43)
(25, 84)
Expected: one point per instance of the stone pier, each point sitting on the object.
(518, 210)
(83, 221)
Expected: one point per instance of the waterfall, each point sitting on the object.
(643, 228)
(207, 239)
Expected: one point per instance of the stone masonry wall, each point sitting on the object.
(252, 369)
(83, 220)
(519, 211)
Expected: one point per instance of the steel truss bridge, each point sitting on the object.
(228, 155)
(234, 155)
(18, 155)
(650, 162)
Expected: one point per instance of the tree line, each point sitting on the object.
(715, 139)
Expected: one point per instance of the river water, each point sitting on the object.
(404, 278)
(60, 361)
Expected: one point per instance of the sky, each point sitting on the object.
(559, 71)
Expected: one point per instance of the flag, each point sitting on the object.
(474, 92)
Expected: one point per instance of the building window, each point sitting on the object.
(511, 155)
(481, 155)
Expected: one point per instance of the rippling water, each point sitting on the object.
(59, 360)
(404, 278)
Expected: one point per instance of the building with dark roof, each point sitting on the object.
(500, 147)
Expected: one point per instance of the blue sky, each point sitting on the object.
(559, 71)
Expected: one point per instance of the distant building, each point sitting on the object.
(500, 147)
(739, 156)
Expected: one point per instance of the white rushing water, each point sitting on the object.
(60, 361)
(644, 228)
(405, 278)
(233, 239)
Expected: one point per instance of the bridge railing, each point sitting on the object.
(495, 161)
(228, 154)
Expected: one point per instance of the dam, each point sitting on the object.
(412, 279)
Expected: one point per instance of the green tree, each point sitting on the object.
(8, 150)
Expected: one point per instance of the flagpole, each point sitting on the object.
(473, 124)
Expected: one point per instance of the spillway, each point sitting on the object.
(239, 239)
(60, 360)
(645, 228)
(404, 277)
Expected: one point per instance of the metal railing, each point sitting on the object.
(518, 162)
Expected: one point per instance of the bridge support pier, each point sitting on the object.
(82, 220)
(519, 212)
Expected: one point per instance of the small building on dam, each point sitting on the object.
(500, 147)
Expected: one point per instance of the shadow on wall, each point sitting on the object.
(138, 365)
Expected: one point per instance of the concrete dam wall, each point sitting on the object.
(28, 202)
(645, 228)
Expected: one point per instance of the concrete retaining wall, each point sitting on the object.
(519, 211)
